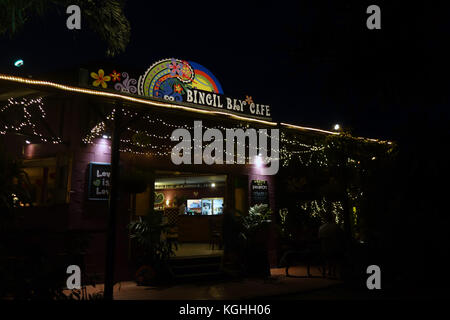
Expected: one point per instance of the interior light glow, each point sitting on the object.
(258, 161)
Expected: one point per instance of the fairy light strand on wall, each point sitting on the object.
(28, 108)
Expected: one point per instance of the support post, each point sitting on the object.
(112, 208)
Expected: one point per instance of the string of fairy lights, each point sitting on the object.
(307, 155)
(319, 208)
(158, 148)
(142, 140)
(26, 126)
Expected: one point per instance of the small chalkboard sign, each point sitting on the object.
(99, 181)
(259, 192)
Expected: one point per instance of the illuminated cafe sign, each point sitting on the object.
(229, 104)
(180, 81)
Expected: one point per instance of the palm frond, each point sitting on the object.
(105, 17)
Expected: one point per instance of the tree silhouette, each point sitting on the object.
(104, 17)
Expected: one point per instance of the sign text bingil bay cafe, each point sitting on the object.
(222, 102)
(179, 81)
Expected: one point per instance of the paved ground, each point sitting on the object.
(277, 287)
(277, 284)
(341, 292)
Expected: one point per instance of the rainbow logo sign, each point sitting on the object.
(170, 78)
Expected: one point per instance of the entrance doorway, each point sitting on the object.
(194, 204)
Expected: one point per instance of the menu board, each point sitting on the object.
(99, 181)
(207, 207)
(217, 206)
(194, 206)
(259, 192)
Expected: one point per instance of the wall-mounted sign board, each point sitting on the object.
(259, 192)
(99, 181)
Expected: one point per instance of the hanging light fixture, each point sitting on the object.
(18, 63)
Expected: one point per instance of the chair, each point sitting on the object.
(171, 214)
(215, 232)
(306, 253)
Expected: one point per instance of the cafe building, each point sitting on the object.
(162, 125)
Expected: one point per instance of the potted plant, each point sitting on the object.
(255, 230)
(155, 249)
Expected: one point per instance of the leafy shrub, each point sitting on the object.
(157, 250)
(258, 217)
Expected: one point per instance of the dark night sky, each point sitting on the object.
(375, 82)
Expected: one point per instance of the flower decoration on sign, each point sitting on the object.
(115, 76)
(249, 99)
(175, 68)
(128, 84)
(186, 72)
(100, 79)
(178, 88)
